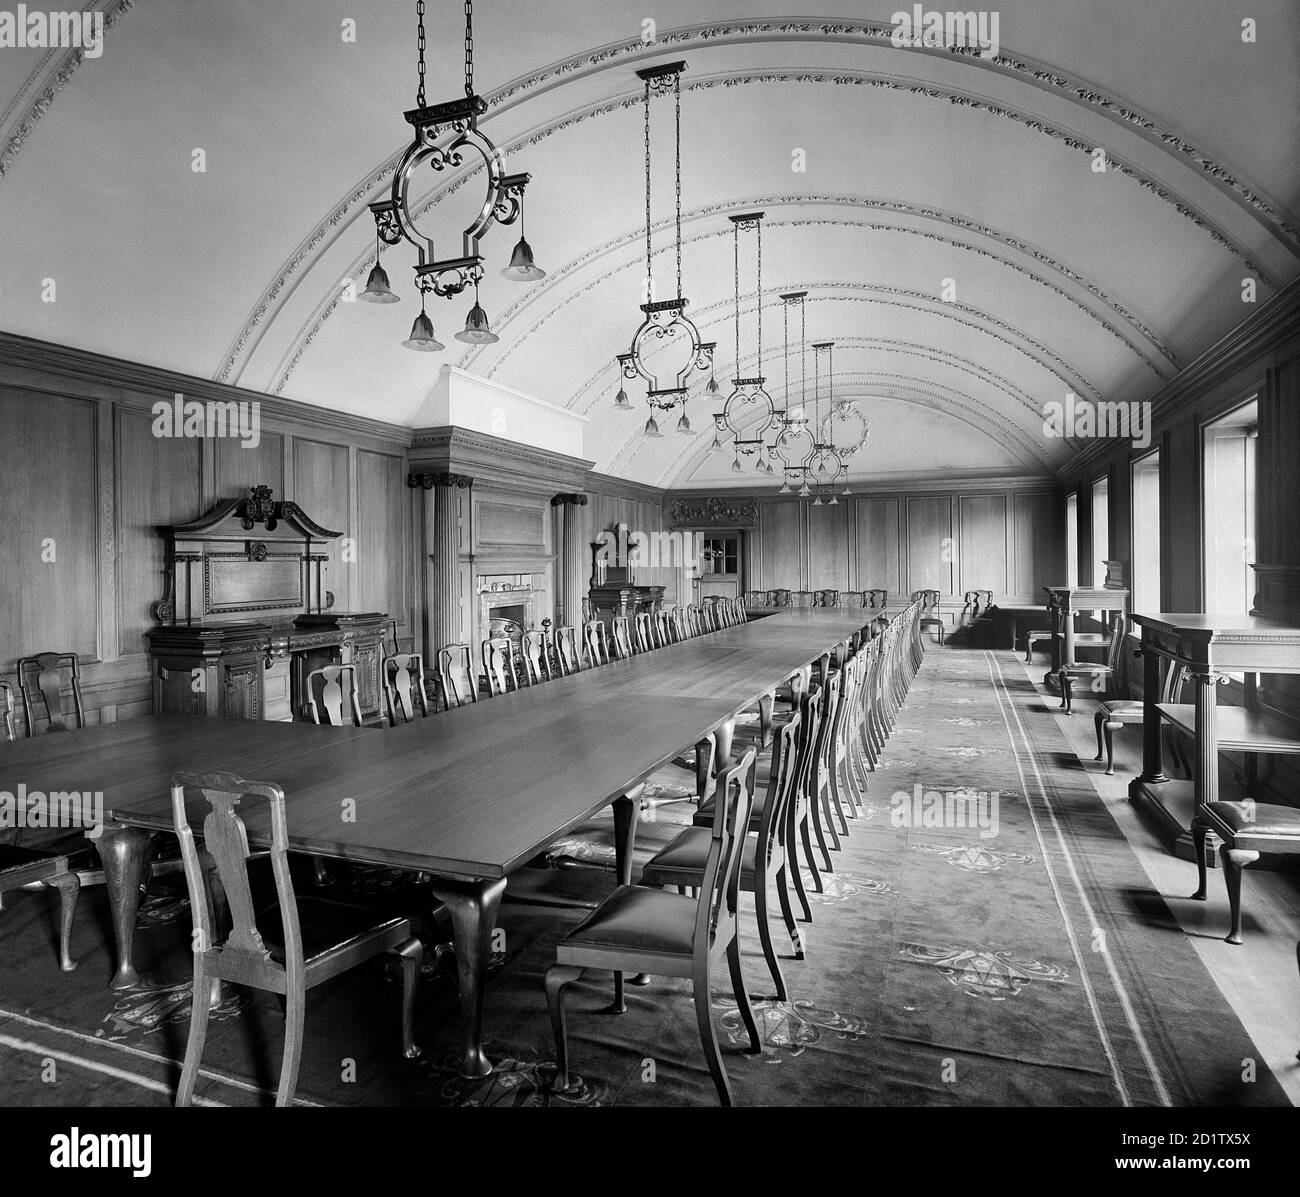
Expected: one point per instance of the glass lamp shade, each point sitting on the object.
(716, 447)
(684, 426)
(652, 428)
(476, 330)
(735, 466)
(713, 387)
(817, 502)
(377, 288)
(422, 337)
(785, 487)
(522, 268)
(804, 492)
(834, 502)
(621, 400)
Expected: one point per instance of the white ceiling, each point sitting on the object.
(922, 165)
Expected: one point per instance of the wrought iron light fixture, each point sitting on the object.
(749, 398)
(503, 203)
(829, 460)
(793, 441)
(666, 326)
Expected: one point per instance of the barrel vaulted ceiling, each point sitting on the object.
(921, 165)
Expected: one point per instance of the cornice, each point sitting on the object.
(624, 488)
(490, 459)
(1257, 337)
(96, 372)
(944, 485)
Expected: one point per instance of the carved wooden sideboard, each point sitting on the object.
(245, 616)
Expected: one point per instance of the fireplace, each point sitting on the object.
(509, 604)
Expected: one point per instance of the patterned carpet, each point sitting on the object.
(987, 938)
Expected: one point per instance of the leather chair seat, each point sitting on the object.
(325, 927)
(1121, 706)
(689, 853)
(635, 918)
(704, 812)
(1258, 818)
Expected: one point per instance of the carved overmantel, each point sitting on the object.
(254, 554)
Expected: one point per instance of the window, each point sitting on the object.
(1072, 539)
(721, 555)
(1230, 512)
(1145, 572)
(1100, 529)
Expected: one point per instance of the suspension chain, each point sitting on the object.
(735, 238)
(419, 17)
(649, 273)
(677, 94)
(469, 47)
(759, 306)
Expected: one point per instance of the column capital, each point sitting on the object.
(568, 500)
(429, 481)
(1209, 678)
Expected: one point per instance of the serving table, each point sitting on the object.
(467, 796)
(1211, 647)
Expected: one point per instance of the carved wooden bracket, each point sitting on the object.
(715, 511)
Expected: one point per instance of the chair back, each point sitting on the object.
(593, 632)
(876, 598)
(720, 886)
(756, 599)
(498, 664)
(403, 675)
(929, 600)
(566, 644)
(826, 598)
(778, 598)
(851, 600)
(39, 680)
(242, 956)
(773, 829)
(645, 637)
(663, 628)
(7, 710)
(622, 638)
(332, 691)
(456, 675)
(535, 665)
(801, 598)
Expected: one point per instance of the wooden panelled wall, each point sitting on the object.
(87, 483)
(610, 503)
(1004, 538)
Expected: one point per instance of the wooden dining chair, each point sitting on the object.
(931, 615)
(23, 867)
(644, 632)
(765, 861)
(1116, 713)
(755, 600)
(332, 690)
(850, 600)
(498, 665)
(778, 598)
(287, 947)
(876, 599)
(1102, 676)
(826, 598)
(622, 629)
(40, 686)
(652, 931)
(975, 616)
(403, 675)
(535, 663)
(456, 676)
(663, 628)
(801, 598)
(566, 644)
(595, 634)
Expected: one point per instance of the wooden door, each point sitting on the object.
(719, 567)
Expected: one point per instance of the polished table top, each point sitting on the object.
(435, 794)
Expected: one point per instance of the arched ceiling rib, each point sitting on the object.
(926, 164)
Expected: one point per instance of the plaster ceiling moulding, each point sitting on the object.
(857, 78)
(967, 409)
(922, 212)
(511, 345)
(51, 77)
(1046, 77)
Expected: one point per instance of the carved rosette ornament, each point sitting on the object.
(444, 480)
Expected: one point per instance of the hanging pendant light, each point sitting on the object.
(422, 337)
(665, 321)
(378, 289)
(652, 428)
(735, 466)
(785, 487)
(443, 133)
(684, 424)
(476, 330)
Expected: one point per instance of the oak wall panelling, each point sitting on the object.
(878, 564)
(930, 544)
(985, 541)
(80, 447)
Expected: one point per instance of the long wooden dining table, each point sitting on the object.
(466, 796)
